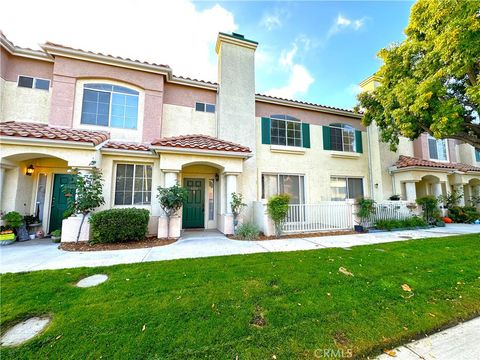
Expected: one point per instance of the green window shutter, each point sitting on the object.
(477, 154)
(265, 130)
(326, 138)
(358, 141)
(306, 135)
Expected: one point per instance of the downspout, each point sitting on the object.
(370, 171)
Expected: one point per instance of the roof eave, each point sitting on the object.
(105, 59)
(42, 142)
(291, 103)
(28, 53)
(176, 150)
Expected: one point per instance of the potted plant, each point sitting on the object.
(88, 189)
(13, 221)
(366, 208)
(56, 236)
(171, 200)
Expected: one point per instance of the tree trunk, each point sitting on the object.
(168, 226)
(80, 228)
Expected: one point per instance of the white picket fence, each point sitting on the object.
(326, 215)
(386, 210)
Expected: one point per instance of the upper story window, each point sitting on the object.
(477, 155)
(33, 83)
(109, 105)
(285, 130)
(203, 107)
(342, 137)
(437, 148)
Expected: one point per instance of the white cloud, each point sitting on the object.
(354, 89)
(274, 19)
(343, 23)
(298, 82)
(299, 79)
(174, 32)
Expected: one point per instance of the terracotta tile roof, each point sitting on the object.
(408, 161)
(126, 146)
(48, 43)
(202, 142)
(193, 79)
(309, 103)
(46, 132)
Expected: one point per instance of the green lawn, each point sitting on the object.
(203, 308)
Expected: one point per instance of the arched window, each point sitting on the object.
(109, 105)
(342, 137)
(285, 130)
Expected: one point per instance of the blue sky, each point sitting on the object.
(335, 42)
(310, 51)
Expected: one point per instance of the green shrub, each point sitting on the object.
(13, 220)
(277, 209)
(119, 225)
(429, 205)
(390, 224)
(366, 208)
(247, 231)
(466, 214)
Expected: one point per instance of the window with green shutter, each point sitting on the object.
(326, 138)
(265, 130)
(285, 130)
(306, 135)
(342, 137)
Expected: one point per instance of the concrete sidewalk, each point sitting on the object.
(42, 254)
(461, 342)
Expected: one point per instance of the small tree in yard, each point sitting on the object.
(277, 209)
(366, 208)
(236, 205)
(171, 200)
(88, 191)
(429, 206)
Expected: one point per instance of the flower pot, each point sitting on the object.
(7, 239)
(359, 228)
(32, 236)
(56, 239)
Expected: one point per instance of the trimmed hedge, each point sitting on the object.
(119, 225)
(390, 224)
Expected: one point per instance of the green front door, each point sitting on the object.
(194, 207)
(59, 200)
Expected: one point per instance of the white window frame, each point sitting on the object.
(447, 155)
(340, 126)
(34, 82)
(286, 119)
(133, 185)
(346, 185)
(110, 105)
(303, 190)
(205, 107)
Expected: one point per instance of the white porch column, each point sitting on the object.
(2, 181)
(411, 192)
(171, 178)
(459, 189)
(231, 188)
(437, 189)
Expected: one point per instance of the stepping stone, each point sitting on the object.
(93, 280)
(24, 331)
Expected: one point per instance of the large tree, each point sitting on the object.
(431, 81)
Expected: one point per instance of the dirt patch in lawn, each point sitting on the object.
(299, 236)
(86, 246)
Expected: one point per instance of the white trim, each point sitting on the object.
(27, 53)
(302, 189)
(299, 122)
(138, 153)
(430, 137)
(346, 177)
(34, 82)
(42, 142)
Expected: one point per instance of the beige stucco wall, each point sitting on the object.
(466, 153)
(315, 163)
(23, 104)
(184, 120)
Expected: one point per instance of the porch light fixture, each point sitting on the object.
(30, 170)
(217, 177)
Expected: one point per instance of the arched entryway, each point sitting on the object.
(202, 180)
(430, 185)
(32, 184)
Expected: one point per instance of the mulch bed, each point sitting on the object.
(299, 236)
(86, 246)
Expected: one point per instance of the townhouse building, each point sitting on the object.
(63, 108)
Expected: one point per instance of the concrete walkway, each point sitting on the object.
(43, 254)
(461, 342)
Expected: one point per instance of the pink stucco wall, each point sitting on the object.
(420, 148)
(12, 66)
(308, 116)
(187, 96)
(67, 71)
